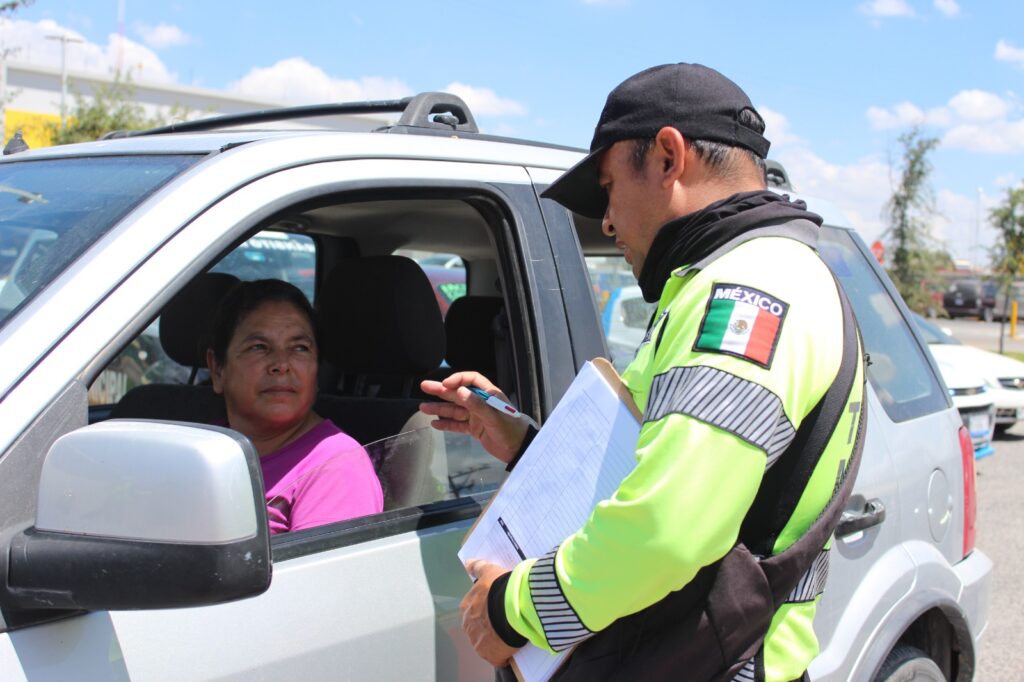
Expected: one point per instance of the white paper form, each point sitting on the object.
(580, 456)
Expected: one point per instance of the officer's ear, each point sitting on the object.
(670, 155)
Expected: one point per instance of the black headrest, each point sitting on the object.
(379, 315)
(187, 319)
(469, 328)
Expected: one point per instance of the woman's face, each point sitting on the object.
(269, 374)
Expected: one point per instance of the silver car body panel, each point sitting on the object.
(379, 610)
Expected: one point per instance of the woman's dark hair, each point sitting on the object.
(244, 298)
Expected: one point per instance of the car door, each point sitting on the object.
(909, 421)
(372, 598)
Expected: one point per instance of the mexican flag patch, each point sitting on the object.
(743, 322)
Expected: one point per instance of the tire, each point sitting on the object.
(1001, 429)
(909, 664)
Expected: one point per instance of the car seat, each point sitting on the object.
(186, 323)
(381, 332)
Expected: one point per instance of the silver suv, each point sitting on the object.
(133, 534)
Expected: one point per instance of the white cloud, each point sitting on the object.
(948, 7)
(777, 128)
(906, 114)
(886, 8)
(903, 114)
(1000, 137)
(484, 102)
(162, 35)
(1007, 180)
(974, 120)
(30, 39)
(859, 189)
(296, 81)
(1005, 52)
(978, 105)
(962, 222)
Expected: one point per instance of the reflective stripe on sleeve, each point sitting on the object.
(562, 627)
(741, 407)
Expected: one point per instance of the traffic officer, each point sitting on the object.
(749, 335)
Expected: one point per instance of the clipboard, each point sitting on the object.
(589, 443)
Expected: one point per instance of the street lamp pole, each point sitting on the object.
(64, 40)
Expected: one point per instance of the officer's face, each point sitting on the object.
(636, 202)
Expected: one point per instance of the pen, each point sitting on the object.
(501, 405)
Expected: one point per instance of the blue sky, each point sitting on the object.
(837, 81)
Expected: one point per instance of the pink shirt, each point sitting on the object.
(322, 477)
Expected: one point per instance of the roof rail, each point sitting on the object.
(429, 110)
(776, 175)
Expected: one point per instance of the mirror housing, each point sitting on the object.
(139, 514)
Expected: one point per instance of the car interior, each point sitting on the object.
(381, 331)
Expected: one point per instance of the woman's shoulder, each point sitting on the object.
(330, 441)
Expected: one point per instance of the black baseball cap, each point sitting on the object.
(699, 102)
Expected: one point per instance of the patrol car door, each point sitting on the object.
(370, 598)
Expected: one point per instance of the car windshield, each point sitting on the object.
(933, 334)
(52, 210)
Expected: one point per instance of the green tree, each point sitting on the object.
(112, 107)
(916, 256)
(9, 7)
(1008, 252)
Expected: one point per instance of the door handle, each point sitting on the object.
(851, 521)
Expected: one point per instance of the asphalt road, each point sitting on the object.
(1001, 537)
(1000, 525)
(984, 334)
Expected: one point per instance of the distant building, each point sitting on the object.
(34, 94)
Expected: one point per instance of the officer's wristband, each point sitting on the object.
(496, 612)
(527, 439)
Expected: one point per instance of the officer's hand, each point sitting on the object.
(464, 412)
(475, 621)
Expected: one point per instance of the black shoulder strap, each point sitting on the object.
(785, 482)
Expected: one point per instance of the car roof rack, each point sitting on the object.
(428, 111)
(776, 175)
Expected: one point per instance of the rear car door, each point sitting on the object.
(912, 432)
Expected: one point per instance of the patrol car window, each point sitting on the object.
(375, 396)
(898, 371)
(51, 211)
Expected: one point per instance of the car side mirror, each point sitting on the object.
(137, 514)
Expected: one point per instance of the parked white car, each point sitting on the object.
(1003, 376)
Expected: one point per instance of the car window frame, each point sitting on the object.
(513, 263)
(937, 399)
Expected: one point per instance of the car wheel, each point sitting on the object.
(906, 663)
(1001, 429)
(987, 314)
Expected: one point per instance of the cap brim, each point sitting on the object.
(578, 189)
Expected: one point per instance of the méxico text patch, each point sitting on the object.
(742, 321)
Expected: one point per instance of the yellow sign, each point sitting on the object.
(33, 127)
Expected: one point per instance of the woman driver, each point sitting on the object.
(263, 360)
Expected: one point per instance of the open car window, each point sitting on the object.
(378, 340)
